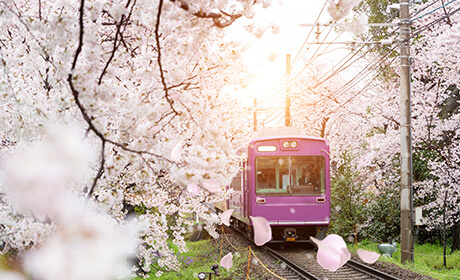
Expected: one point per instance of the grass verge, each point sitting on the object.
(428, 259)
(203, 254)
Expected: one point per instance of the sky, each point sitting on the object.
(266, 56)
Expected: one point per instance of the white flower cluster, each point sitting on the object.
(133, 90)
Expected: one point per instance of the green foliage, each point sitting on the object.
(205, 253)
(383, 213)
(347, 197)
(428, 259)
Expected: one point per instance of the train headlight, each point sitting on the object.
(290, 144)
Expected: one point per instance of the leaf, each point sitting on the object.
(332, 252)
(225, 217)
(227, 261)
(368, 256)
(176, 152)
(262, 230)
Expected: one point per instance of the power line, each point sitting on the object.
(306, 39)
(412, 20)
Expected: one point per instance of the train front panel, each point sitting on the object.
(288, 183)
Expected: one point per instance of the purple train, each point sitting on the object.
(285, 180)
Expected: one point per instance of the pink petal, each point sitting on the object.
(368, 256)
(176, 152)
(212, 186)
(225, 217)
(227, 261)
(175, 95)
(193, 189)
(332, 252)
(262, 230)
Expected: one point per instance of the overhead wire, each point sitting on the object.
(418, 31)
(359, 76)
(415, 34)
(344, 66)
(432, 11)
(308, 36)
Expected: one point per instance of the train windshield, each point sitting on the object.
(290, 175)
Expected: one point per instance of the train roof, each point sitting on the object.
(297, 136)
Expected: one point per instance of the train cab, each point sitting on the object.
(285, 180)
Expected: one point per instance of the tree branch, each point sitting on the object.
(220, 20)
(85, 115)
(157, 38)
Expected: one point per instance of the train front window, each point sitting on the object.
(290, 176)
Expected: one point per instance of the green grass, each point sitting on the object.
(428, 260)
(204, 253)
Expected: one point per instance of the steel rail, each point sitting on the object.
(370, 271)
(298, 269)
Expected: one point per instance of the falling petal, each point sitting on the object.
(332, 252)
(193, 189)
(227, 261)
(225, 217)
(212, 186)
(175, 95)
(176, 152)
(368, 256)
(262, 230)
(292, 210)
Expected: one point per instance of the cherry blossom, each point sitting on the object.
(262, 230)
(225, 216)
(227, 261)
(332, 252)
(367, 256)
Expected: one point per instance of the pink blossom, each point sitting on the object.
(332, 252)
(225, 216)
(262, 230)
(368, 256)
(227, 261)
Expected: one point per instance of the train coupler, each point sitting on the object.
(289, 234)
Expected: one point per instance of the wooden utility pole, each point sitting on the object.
(407, 241)
(287, 112)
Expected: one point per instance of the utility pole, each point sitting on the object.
(287, 112)
(407, 241)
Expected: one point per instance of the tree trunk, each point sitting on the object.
(444, 231)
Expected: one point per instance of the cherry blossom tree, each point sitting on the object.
(435, 81)
(138, 83)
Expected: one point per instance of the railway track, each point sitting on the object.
(302, 264)
(351, 270)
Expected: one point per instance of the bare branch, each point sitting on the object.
(85, 115)
(116, 42)
(157, 38)
(220, 20)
